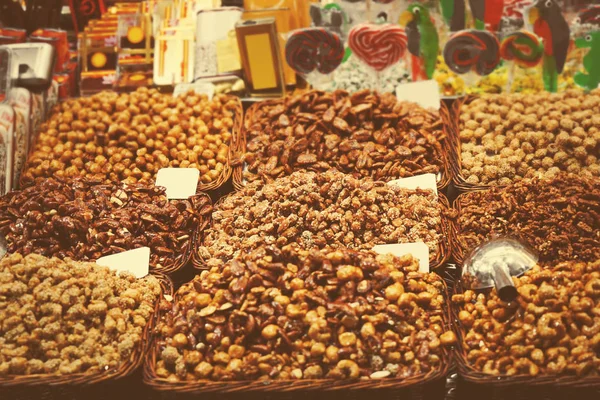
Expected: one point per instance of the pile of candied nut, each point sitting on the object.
(553, 327)
(85, 219)
(129, 137)
(508, 137)
(321, 209)
(364, 133)
(285, 313)
(559, 217)
(65, 317)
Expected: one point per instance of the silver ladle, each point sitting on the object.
(494, 263)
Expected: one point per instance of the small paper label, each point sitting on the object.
(206, 88)
(136, 261)
(424, 93)
(425, 181)
(418, 250)
(180, 183)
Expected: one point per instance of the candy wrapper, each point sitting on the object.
(314, 53)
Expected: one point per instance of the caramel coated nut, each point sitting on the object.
(364, 133)
(129, 137)
(65, 317)
(85, 219)
(559, 217)
(276, 329)
(508, 137)
(553, 327)
(322, 209)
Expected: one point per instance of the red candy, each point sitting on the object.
(379, 46)
(314, 48)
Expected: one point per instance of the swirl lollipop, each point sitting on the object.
(523, 48)
(313, 49)
(472, 50)
(378, 46)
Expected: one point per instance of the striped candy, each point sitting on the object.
(524, 48)
(472, 50)
(314, 48)
(379, 46)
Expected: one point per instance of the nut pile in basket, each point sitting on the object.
(129, 137)
(507, 137)
(559, 217)
(552, 328)
(322, 209)
(285, 313)
(66, 317)
(86, 219)
(364, 133)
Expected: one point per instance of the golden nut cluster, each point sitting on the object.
(508, 137)
(66, 317)
(285, 313)
(552, 328)
(129, 137)
(317, 210)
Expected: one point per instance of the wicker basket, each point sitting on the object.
(202, 187)
(238, 169)
(443, 254)
(517, 386)
(104, 384)
(425, 386)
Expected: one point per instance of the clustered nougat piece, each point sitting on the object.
(85, 219)
(559, 217)
(286, 313)
(66, 317)
(321, 209)
(365, 133)
(508, 137)
(129, 137)
(552, 328)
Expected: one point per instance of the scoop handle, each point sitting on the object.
(504, 284)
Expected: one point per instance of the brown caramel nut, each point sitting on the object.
(559, 217)
(365, 133)
(322, 209)
(85, 219)
(553, 327)
(327, 330)
(66, 317)
(508, 137)
(130, 136)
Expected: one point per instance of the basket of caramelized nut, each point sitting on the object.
(498, 139)
(366, 134)
(128, 137)
(559, 217)
(85, 219)
(544, 344)
(69, 327)
(331, 209)
(283, 319)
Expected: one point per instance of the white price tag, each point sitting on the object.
(424, 93)
(180, 183)
(425, 181)
(418, 250)
(206, 88)
(136, 261)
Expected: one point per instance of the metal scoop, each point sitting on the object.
(494, 263)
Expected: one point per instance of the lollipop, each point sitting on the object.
(314, 48)
(379, 46)
(472, 50)
(524, 48)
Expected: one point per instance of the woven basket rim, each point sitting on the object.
(86, 378)
(470, 374)
(445, 175)
(444, 245)
(322, 385)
